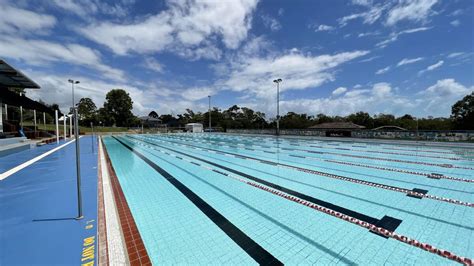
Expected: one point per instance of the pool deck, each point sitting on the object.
(38, 206)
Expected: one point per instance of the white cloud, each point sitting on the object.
(362, 2)
(368, 17)
(439, 97)
(435, 66)
(406, 61)
(186, 24)
(271, 23)
(150, 35)
(153, 64)
(198, 93)
(394, 36)
(456, 12)
(411, 10)
(369, 59)
(435, 100)
(39, 52)
(456, 54)
(15, 20)
(382, 70)
(432, 67)
(365, 34)
(323, 27)
(339, 91)
(254, 75)
(379, 98)
(85, 8)
(455, 23)
(150, 96)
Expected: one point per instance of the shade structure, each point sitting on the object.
(13, 78)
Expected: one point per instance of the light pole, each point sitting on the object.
(78, 157)
(278, 81)
(209, 96)
(72, 84)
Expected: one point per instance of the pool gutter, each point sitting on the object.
(123, 241)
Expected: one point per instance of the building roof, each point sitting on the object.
(389, 128)
(13, 78)
(149, 119)
(194, 124)
(337, 125)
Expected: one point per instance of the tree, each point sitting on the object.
(87, 111)
(118, 106)
(463, 112)
(322, 118)
(384, 120)
(295, 121)
(361, 118)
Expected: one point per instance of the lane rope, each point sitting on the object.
(357, 181)
(429, 175)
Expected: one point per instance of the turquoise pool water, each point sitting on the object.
(203, 206)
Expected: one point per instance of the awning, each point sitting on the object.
(12, 78)
(11, 98)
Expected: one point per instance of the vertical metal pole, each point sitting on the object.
(44, 120)
(34, 118)
(65, 135)
(73, 105)
(6, 111)
(70, 126)
(78, 167)
(278, 108)
(1, 116)
(210, 127)
(21, 117)
(57, 125)
(92, 138)
(417, 134)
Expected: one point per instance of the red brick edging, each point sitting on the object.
(137, 253)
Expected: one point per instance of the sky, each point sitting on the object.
(334, 57)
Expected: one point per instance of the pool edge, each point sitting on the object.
(133, 246)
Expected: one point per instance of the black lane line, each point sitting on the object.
(386, 222)
(282, 164)
(259, 254)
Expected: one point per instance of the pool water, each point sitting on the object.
(222, 198)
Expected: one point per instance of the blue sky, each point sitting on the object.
(335, 57)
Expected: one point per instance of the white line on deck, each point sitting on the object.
(32, 161)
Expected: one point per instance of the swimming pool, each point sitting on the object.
(222, 198)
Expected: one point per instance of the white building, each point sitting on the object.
(194, 127)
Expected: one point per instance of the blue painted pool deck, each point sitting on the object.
(38, 205)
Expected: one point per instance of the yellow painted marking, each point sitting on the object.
(88, 251)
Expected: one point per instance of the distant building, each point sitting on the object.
(337, 129)
(148, 121)
(194, 127)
